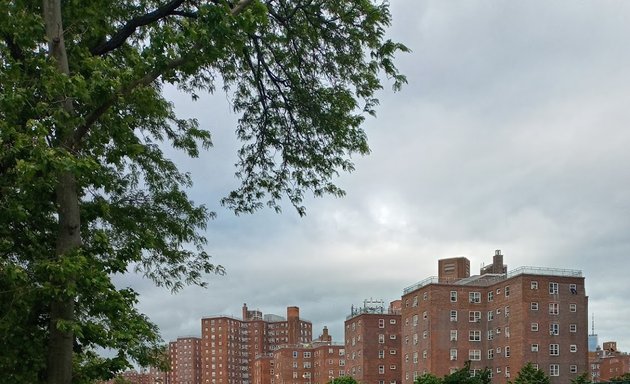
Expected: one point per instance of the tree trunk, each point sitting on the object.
(59, 359)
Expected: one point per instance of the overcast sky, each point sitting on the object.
(511, 134)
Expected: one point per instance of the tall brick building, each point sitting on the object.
(497, 319)
(229, 346)
(372, 337)
(184, 357)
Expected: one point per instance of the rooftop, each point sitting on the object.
(489, 279)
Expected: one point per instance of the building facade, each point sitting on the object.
(184, 358)
(497, 319)
(373, 343)
(229, 346)
(608, 362)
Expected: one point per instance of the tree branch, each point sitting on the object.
(147, 79)
(130, 27)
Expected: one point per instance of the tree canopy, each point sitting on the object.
(86, 190)
(529, 374)
(464, 375)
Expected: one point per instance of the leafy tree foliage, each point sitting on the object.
(428, 378)
(343, 380)
(86, 191)
(625, 378)
(528, 374)
(582, 379)
(461, 376)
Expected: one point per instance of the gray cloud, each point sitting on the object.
(511, 135)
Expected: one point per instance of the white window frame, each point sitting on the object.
(474, 354)
(474, 316)
(533, 306)
(554, 349)
(553, 288)
(534, 347)
(554, 370)
(453, 296)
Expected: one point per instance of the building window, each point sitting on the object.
(507, 311)
(534, 327)
(453, 334)
(507, 291)
(474, 335)
(554, 349)
(490, 315)
(491, 334)
(573, 289)
(415, 320)
(381, 369)
(392, 321)
(554, 329)
(453, 354)
(553, 288)
(490, 354)
(573, 348)
(415, 357)
(392, 351)
(474, 354)
(453, 315)
(533, 285)
(392, 367)
(392, 337)
(474, 316)
(425, 315)
(533, 306)
(490, 296)
(573, 328)
(506, 351)
(554, 308)
(415, 301)
(573, 368)
(307, 354)
(453, 296)
(425, 296)
(425, 334)
(415, 338)
(381, 323)
(381, 354)
(572, 307)
(554, 370)
(474, 297)
(507, 331)
(381, 339)
(534, 347)
(295, 354)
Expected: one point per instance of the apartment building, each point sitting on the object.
(608, 362)
(373, 343)
(229, 346)
(185, 364)
(497, 319)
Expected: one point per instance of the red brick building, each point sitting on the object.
(497, 319)
(316, 362)
(373, 343)
(608, 363)
(149, 376)
(229, 346)
(185, 364)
